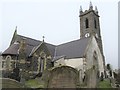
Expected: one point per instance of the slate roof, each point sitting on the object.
(34, 43)
(29, 41)
(12, 50)
(31, 44)
(57, 58)
(73, 49)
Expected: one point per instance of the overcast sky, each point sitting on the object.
(58, 21)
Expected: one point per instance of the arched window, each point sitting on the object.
(95, 23)
(3, 64)
(86, 23)
(41, 62)
(8, 62)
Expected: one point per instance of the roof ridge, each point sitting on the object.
(29, 38)
(35, 39)
(72, 41)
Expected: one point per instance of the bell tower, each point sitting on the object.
(89, 24)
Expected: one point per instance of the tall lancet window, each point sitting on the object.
(86, 23)
(41, 61)
(95, 23)
(41, 64)
(8, 62)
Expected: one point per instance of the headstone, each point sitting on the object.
(63, 77)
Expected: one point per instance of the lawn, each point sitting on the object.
(104, 84)
(33, 84)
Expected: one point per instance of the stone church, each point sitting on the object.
(30, 58)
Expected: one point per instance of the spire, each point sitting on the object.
(90, 6)
(96, 10)
(81, 9)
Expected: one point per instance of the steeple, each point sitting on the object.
(90, 6)
(89, 24)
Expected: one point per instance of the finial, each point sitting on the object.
(81, 9)
(91, 6)
(96, 10)
(16, 28)
(43, 38)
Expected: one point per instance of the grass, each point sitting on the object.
(104, 84)
(33, 84)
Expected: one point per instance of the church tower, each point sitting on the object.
(89, 24)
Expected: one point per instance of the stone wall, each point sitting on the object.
(90, 53)
(63, 77)
(75, 63)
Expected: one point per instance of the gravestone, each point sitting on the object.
(10, 83)
(63, 77)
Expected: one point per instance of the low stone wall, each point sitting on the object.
(10, 83)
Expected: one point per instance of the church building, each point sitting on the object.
(33, 57)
